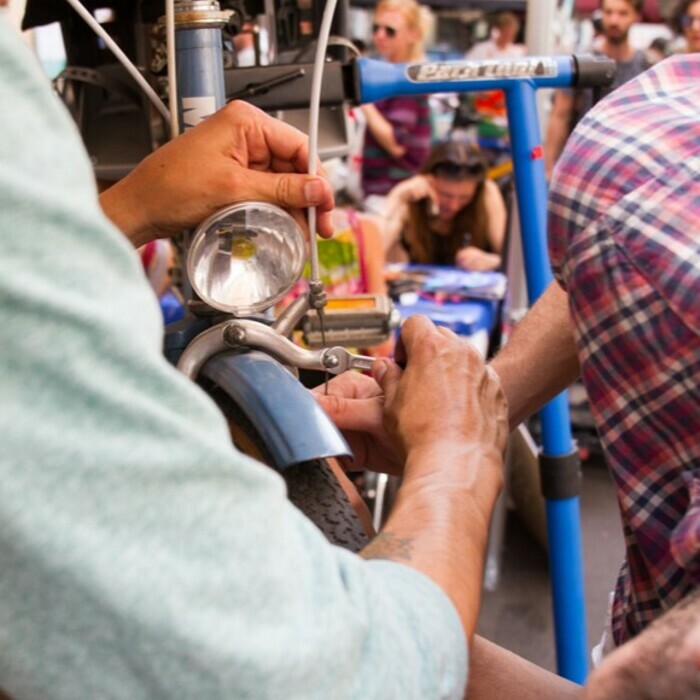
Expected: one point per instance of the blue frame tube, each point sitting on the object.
(519, 79)
(563, 516)
(200, 71)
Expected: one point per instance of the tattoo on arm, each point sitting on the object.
(386, 545)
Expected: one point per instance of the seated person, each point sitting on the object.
(450, 214)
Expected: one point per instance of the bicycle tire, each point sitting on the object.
(311, 486)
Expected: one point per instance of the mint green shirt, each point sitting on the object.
(141, 556)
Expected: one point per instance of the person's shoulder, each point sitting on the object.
(640, 60)
(678, 75)
(683, 67)
(480, 51)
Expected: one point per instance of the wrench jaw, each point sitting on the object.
(338, 359)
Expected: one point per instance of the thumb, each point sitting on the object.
(296, 191)
(293, 190)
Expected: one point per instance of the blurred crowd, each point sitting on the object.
(427, 179)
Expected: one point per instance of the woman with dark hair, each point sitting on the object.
(685, 20)
(449, 214)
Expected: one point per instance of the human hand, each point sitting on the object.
(416, 188)
(238, 154)
(663, 661)
(355, 403)
(445, 402)
(473, 258)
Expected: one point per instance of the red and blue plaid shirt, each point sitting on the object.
(625, 242)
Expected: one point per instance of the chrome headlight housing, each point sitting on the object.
(246, 257)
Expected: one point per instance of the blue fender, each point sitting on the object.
(292, 425)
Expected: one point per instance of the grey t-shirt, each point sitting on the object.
(141, 556)
(626, 70)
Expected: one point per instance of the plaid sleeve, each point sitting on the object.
(624, 208)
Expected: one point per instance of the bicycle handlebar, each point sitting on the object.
(374, 80)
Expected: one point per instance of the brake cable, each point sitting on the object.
(317, 296)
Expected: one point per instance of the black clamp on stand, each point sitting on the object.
(560, 477)
(596, 72)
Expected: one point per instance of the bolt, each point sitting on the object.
(234, 335)
(330, 361)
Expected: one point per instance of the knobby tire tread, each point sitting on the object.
(311, 486)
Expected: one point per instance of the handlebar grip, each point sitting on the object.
(593, 71)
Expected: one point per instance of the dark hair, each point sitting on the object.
(637, 5)
(661, 44)
(678, 11)
(455, 161)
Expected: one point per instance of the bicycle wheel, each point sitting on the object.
(314, 487)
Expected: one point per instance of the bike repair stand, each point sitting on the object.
(559, 462)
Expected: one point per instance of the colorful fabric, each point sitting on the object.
(141, 555)
(490, 105)
(341, 258)
(410, 117)
(625, 242)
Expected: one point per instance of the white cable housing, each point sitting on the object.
(314, 109)
(121, 57)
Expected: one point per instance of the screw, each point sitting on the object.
(330, 361)
(234, 335)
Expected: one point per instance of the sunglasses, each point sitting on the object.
(458, 171)
(389, 31)
(687, 21)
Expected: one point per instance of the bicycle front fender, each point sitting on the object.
(293, 426)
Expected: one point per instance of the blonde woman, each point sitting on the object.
(397, 140)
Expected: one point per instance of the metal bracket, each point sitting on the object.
(253, 334)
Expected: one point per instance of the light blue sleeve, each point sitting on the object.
(141, 556)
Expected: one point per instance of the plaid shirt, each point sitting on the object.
(625, 242)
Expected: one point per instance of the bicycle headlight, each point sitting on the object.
(246, 257)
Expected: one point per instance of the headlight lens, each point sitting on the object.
(246, 257)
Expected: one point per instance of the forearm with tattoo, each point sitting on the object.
(387, 545)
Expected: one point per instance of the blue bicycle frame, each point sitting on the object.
(199, 49)
(520, 79)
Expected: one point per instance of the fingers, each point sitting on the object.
(444, 394)
(387, 374)
(275, 160)
(292, 191)
(416, 334)
(278, 140)
(351, 385)
(354, 402)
